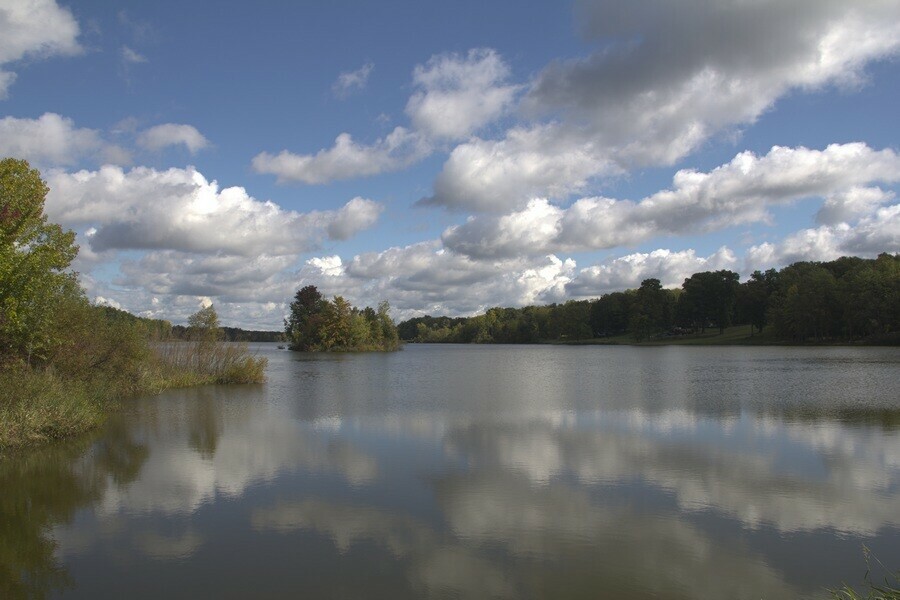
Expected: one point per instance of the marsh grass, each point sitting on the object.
(195, 363)
(39, 405)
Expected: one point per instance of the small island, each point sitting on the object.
(317, 324)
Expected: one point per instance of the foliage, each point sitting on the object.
(63, 362)
(33, 257)
(848, 299)
(708, 298)
(317, 324)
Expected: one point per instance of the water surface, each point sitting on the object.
(477, 472)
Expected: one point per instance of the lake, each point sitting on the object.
(476, 472)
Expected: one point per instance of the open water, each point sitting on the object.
(477, 472)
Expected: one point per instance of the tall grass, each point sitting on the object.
(102, 364)
(41, 406)
(192, 363)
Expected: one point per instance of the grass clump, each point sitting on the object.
(889, 589)
(186, 363)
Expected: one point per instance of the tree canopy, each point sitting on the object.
(34, 256)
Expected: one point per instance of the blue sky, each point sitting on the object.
(450, 157)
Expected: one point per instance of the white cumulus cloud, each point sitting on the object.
(34, 29)
(737, 192)
(52, 139)
(179, 209)
(346, 159)
(665, 78)
(456, 94)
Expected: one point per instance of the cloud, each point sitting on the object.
(346, 159)
(664, 79)
(171, 134)
(496, 175)
(456, 95)
(130, 56)
(875, 233)
(52, 139)
(357, 215)
(668, 71)
(34, 29)
(227, 278)
(352, 81)
(849, 204)
(737, 192)
(178, 209)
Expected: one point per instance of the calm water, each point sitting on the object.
(477, 472)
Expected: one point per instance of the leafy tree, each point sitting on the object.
(203, 325)
(388, 339)
(34, 256)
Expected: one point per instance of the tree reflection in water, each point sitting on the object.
(45, 487)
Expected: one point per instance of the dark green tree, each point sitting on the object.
(709, 298)
(303, 327)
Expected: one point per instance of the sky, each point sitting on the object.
(449, 157)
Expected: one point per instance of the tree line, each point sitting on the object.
(846, 299)
(317, 324)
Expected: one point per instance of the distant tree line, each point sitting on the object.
(233, 334)
(318, 324)
(842, 300)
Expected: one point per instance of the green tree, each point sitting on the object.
(203, 326)
(388, 339)
(652, 310)
(303, 327)
(709, 297)
(806, 304)
(753, 298)
(34, 256)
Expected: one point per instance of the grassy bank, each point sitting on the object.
(42, 405)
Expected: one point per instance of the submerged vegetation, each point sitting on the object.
(845, 300)
(65, 363)
(317, 324)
